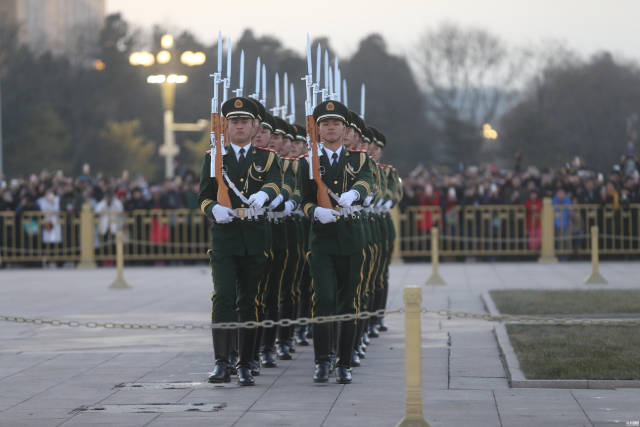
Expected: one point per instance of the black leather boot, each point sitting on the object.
(221, 372)
(268, 359)
(282, 344)
(233, 350)
(246, 339)
(321, 344)
(355, 359)
(301, 339)
(255, 363)
(345, 351)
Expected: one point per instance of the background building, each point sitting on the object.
(64, 27)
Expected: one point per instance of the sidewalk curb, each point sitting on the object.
(515, 375)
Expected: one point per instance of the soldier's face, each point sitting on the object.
(375, 152)
(285, 149)
(240, 129)
(275, 142)
(331, 130)
(296, 148)
(262, 137)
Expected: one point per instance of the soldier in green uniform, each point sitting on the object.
(304, 280)
(392, 195)
(274, 276)
(238, 239)
(261, 139)
(287, 294)
(336, 240)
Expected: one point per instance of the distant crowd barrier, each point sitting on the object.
(495, 231)
(511, 230)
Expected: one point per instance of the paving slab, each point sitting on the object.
(46, 372)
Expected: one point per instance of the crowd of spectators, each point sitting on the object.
(53, 191)
(573, 183)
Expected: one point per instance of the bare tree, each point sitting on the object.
(469, 74)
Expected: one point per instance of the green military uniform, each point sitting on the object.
(336, 258)
(271, 291)
(237, 254)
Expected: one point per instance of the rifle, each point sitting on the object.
(312, 137)
(216, 133)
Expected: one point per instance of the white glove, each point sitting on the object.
(275, 202)
(380, 202)
(388, 204)
(325, 216)
(289, 205)
(367, 201)
(222, 214)
(347, 198)
(258, 199)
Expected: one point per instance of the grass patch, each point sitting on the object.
(577, 352)
(595, 301)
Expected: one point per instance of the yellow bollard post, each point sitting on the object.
(396, 258)
(435, 278)
(87, 256)
(413, 359)
(548, 249)
(119, 283)
(595, 278)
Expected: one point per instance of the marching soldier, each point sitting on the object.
(304, 279)
(336, 240)
(392, 195)
(238, 235)
(274, 276)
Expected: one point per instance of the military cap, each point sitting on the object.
(280, 126)
(367, 135)
(268, 122)
(356, 122)
(300, 132)
(261, 110)
(239, 107)
(331, 110)
(290, 132)
(378, 137)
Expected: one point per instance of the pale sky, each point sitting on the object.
(584, 25)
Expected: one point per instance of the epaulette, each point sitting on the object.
(207, 152)
(382, 165)
(302, 156)
(266, 149)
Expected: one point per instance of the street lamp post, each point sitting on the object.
(169, 150)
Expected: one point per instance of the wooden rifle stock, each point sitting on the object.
(323, 194)
(223, 190)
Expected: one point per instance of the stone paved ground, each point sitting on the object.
(47, 373)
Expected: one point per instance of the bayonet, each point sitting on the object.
(362, 91)
(263, 75)
(336, 80)
(344, 93)
(275, 110)
(292, 116)
(241, 80)
(256, 95)
(285, 106)
(226, 82)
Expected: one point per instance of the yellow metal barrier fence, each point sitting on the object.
(512, 230)
(182, 234)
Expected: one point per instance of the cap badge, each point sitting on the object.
(238, 103)
(330, 106)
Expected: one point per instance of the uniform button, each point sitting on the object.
(241, 179)
(335, 182)
(244, 206)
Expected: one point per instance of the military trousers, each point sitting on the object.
(235, 286)
(337, 282)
